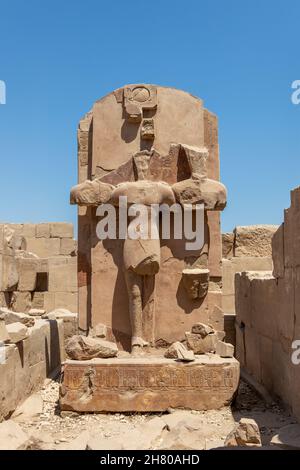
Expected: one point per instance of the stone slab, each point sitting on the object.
(151, 384)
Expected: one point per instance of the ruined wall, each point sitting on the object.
(268, 313)
(38, 267)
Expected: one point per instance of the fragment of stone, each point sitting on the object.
(82, 348)
(196, 281)
(178, 351)
(91, 193)
(36, 312)
(79, 443)
(17, 332)
(221, 335)
(147, 129)
(201, 345)
(11, 317)
(183, 437)
(202, 329)
(99, 442)
(12, 437)
(205, 191)
(70, 320)
(30, 409)
(4, 336)
(146, 436)
(246, 433)
(288, 437)
(224, 349)
(98, 331)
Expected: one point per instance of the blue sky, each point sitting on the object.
(58, 57)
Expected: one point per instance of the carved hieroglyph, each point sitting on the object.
(154, 145)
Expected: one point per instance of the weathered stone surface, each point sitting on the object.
(61, 230)
(202, 329)
(84, 348)
(30, 409)
(11, 317)
(17, 332)
(42, 230)
(254, 240)
(98, 331)
(201, 345)
(148, 384)
(20, 301)
(288, 437)
(70, 320)
(27, 268)
(36, 312)
(4, 336)
(245, 433)
(224, 349)
(227, 245)
(12, 437)
(68, 246)
(62, 274)
(146, 436)
(43, 247)
(177, 350)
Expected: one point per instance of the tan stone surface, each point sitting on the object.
(254, 240)
(22, 374)
(141, 384)
(62, 274)
(44, 247)
(17, 332)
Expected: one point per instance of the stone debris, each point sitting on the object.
(12, 437)
(36, 312)
(12, 317)
(177, 350)
(288, 437)
(30, 409)
(201, 345)
(82, 348)
(246, 433)
(202, 329)
(17, 332)
(224, 349)
(98, 331)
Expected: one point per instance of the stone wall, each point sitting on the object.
(247, 248)
(268, 313)
(38, 267)
(25, 365)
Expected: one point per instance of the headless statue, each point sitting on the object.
(141, 256)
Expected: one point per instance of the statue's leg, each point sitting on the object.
(134, 284)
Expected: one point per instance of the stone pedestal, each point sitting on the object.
(148, 384)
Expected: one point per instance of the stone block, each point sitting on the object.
(61, 230)
(264, 304)
(67, 300)
(224, 349)
(43, 230)
(38, 300)
(17, 332)
(21, 302)
(27, 268)
(4, 336)
(148, 384)
(44, 247)
(285, 321)
(29, 230)
(70, 321)
(254, 240)
(63, 274)
(10, 276)
(68, 246)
